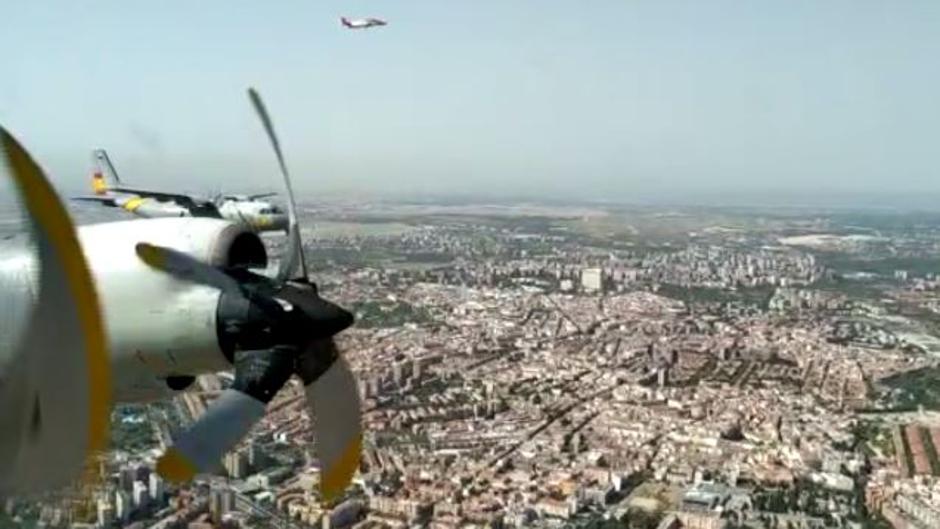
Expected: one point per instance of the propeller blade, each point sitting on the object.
(200, 448)
(184, 266)
(294, 257)
(259, 375)
(331, 389)
(336, 411)
(55, 369)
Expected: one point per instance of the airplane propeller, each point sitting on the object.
(294, 256)
(274, 328)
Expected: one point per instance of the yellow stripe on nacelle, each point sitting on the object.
(132, 204)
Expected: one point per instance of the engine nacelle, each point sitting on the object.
(152, 209)
(160, 326)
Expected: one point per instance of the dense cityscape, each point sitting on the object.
(561, 366)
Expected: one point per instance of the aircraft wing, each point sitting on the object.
(186, 201)
(108, 201)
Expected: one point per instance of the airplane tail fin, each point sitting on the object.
(104, 176)
(344, 21)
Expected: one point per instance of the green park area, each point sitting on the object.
(376, 314)
(912, 389)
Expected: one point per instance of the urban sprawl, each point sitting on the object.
(561, 367)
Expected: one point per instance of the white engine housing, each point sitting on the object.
(158, 325)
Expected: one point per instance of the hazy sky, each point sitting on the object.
(600, 99)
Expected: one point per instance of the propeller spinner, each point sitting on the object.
(273, 329)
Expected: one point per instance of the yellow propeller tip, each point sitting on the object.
(175, 468)
(336, 477)
(150, 254)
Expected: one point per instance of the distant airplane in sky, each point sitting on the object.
(362, 23)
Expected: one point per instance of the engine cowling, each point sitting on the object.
(161, 327)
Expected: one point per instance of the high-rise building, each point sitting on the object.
(488, 388)
(591, 279)
(127, 477)
(157, 489)
(105, 514)
(398, 373)
(215, 505)
(416, 369)
(236, 463)
(122, 506)
(575, 443)
(221, 502)
(662, 376)
(141, 495)
(254, 456)
(228, 500)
